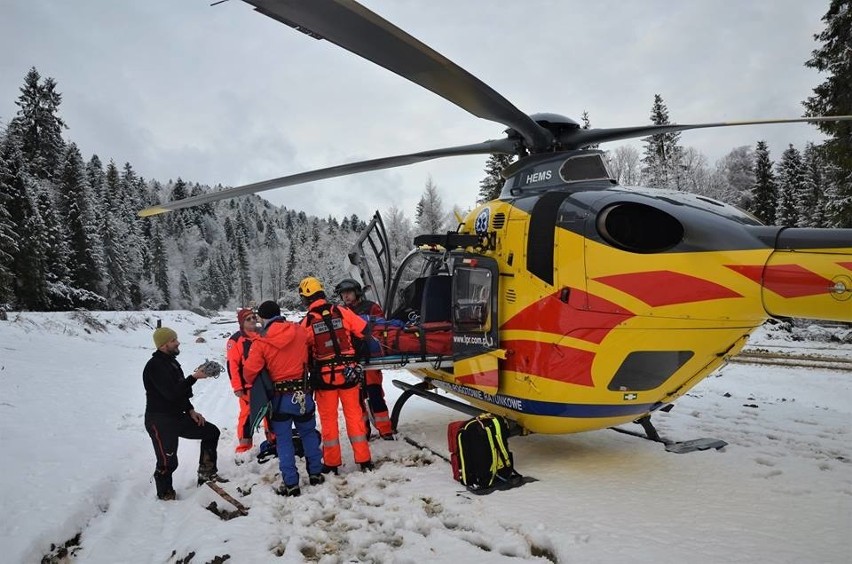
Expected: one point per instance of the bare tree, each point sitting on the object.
(624, 163)
(400, 233)
(695, 175)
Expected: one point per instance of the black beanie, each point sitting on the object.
(268, 310)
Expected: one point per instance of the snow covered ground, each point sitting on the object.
(76, 466)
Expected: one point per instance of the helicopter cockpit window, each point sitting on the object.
(471, 300)
(407, 298)
(584, 167)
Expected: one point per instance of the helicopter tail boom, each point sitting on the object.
(808, 275)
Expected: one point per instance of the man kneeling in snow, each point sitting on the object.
(169, 414)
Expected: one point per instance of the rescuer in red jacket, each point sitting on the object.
(335, 373)
(352, 295)
(236, 352)
(281, 349)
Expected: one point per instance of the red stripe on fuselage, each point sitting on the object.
(787, 280)
(489, 379)
(753, 273)
(586, 317)
(794, 281)
(664, 287)
(549, 360)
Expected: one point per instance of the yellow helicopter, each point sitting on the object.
(576, 303)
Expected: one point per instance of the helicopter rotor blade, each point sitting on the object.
(579, 138)
(362, 32)
(506, 146)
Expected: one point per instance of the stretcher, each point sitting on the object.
(393, 347)
(408, 360)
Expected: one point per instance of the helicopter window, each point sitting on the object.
(584, 167)
(646, 370)
(471, 299)
(407, 292)
(436, 299)
(639, 228)
(409, 300)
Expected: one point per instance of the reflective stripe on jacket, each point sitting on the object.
(236, 352)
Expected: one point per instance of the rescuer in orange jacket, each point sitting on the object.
(236, 351)
(335, 374)
(281, 349)
(352, 295)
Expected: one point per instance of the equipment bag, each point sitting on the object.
(453, 443)
(484, 460)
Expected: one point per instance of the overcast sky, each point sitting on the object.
(224, 95)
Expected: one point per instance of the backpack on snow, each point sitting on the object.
(480, 456)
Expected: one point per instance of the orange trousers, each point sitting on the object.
(327, 405)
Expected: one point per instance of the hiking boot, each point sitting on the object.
(289, 491)
(168, 496)
(329, 469)
(211, 477)
(388, 437)
(316, 479)
(367, 466)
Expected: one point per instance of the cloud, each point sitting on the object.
(224, 95)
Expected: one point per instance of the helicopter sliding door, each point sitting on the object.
(369, 262)
(474, 319)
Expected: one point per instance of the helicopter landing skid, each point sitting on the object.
(677, 447)
(423, 390)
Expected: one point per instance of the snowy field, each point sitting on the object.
(76, 467)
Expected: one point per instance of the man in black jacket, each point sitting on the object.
(170, 415)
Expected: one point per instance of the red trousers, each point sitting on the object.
(375, 401)
(327, 402)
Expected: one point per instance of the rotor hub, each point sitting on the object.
(556, 124)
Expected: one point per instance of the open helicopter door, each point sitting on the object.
(369, 262)
(476, 351)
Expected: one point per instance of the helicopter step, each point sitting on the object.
(677, 447)
(421, 389)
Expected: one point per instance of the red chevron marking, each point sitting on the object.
(664, 287)
(794, 281)
(551, 361)
(487, 379)
(753, 273)
(584, 316)
(787, 280)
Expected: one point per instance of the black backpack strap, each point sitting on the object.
(327, 318)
